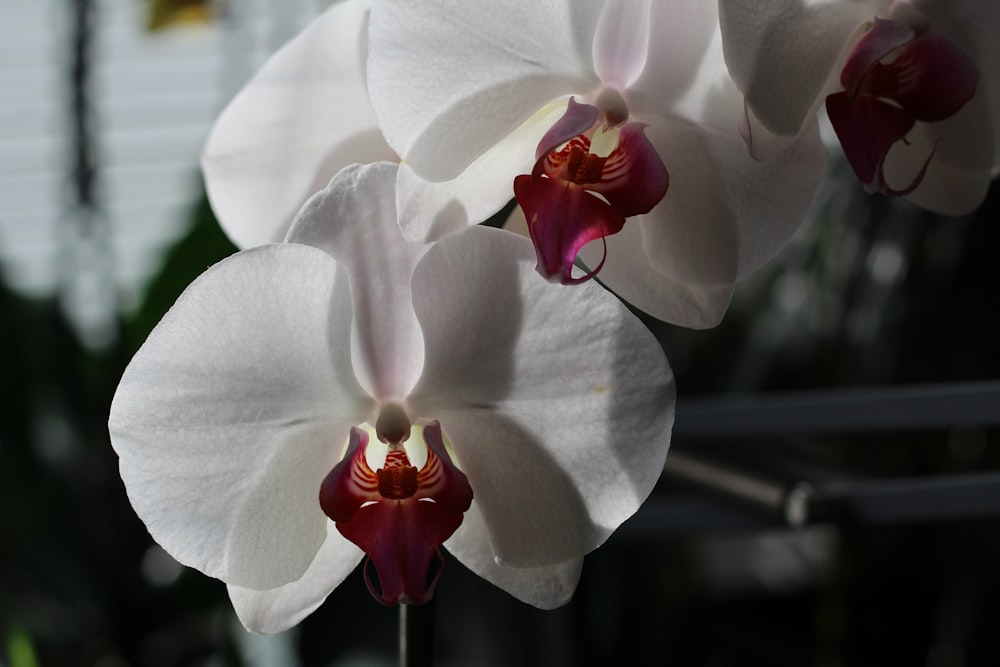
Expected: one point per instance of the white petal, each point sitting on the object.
(622, 42)
(429, 210)
(237, 405)
(557, 400)
(713, 103)
(449, 80)
(295, 124)
(725, 213)
(272, 611)
(782, 54)
(354, 220)
(542, 587)
(944, 189)
(628, 273)
(963, 140)
(681, 32)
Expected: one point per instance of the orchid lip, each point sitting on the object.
(593, 169)
(898, 74)
(398, 514)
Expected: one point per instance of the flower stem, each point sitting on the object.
(416, 635)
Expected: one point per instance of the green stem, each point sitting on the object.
(416, 635)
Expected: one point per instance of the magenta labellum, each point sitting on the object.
(895, 76)
(574, 196)
(398, 515)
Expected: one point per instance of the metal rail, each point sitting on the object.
(737, 494)
(917, 407)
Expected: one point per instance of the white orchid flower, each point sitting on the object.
(350, 393)
(911, 88)
(592, 112)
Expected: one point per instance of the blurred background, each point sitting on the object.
(832, 496)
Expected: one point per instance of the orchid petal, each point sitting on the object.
(504, 61)
(714, 104)
(234, 408)
(428, 211)
(761, 144)
(958, 176)
(562, 430)
(272, 611)
(945, 188)
(949, 191)
(533, 503)
(298, 121)
(354, 219)
(621, 42)
(543, 587)
(964, 140)
(712, 101)
(628, 273)
(682, 30)
(782, 53)
(726, 213)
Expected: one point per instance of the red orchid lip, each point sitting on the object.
(562, 218)
(398, 515)
(894, 77)
(574, 196)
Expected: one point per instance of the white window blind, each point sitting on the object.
(153, 97)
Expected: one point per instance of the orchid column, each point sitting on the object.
(615, 125)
